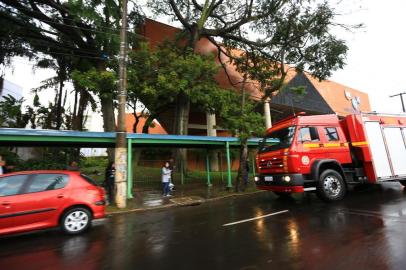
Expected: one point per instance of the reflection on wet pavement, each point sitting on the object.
(365, 231)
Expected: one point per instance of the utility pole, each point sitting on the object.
(120, 159)
(401, 99)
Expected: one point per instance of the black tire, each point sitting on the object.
(331, 186)
(282, 194)
(403, 182)
(76, 220)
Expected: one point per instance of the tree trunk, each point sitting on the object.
(181, 128)
(242, 171)
(148, 122)
(59, 107)
(81, 102)
(136, 122)
(109, 123)
(75, 106)
(182, 114)
(61, 77)
(107, 108)
(182, 109)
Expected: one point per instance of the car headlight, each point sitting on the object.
(256, 178)
(286, 178)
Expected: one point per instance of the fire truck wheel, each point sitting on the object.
(331, 186)
(403, 182)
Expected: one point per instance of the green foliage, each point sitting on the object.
(241, 120)
(47, 159)
(37, 164)
(91, 162)
(11, 44)
(156, 77)
(11, 115)
(10, 156)
(39, 115)
(103, 83)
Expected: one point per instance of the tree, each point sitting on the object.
(62, 66)
(239, 115)
(85, 31)
(157, 77)
(264, 26)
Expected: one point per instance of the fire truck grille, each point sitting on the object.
(273, 163)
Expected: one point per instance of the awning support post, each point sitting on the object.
(208, 169)
(229, 183)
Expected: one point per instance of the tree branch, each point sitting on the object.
(179, 15)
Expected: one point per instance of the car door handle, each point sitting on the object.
(60, 196)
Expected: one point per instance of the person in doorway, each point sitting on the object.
(166, 178)
(109, 181)
(3, 168)
(73, 166)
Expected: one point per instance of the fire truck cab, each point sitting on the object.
(324, 154)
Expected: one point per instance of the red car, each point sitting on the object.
(43, 199)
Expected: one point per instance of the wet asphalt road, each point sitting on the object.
(365, 231)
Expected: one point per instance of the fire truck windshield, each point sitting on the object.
(278, 139)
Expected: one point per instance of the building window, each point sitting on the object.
(331, 134)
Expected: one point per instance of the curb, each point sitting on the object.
(172, 204)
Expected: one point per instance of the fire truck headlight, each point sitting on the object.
(256, 178)
(286, 178)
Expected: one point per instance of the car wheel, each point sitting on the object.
(403, 182)
(76, 220)
(331, 186)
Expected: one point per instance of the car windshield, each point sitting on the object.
(278, 139)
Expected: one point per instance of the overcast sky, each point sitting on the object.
(375, 62)
(377, 55)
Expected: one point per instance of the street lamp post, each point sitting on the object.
(120, 158)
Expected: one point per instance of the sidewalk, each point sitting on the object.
(186, 195)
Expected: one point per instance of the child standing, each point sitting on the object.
(166, 179)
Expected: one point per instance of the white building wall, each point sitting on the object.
(94, 123)
(9, 88)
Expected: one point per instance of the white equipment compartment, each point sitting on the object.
(397, 149)
(380, 157)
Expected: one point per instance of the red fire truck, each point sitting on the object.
(324, 154)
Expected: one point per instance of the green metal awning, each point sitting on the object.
(83, 139)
